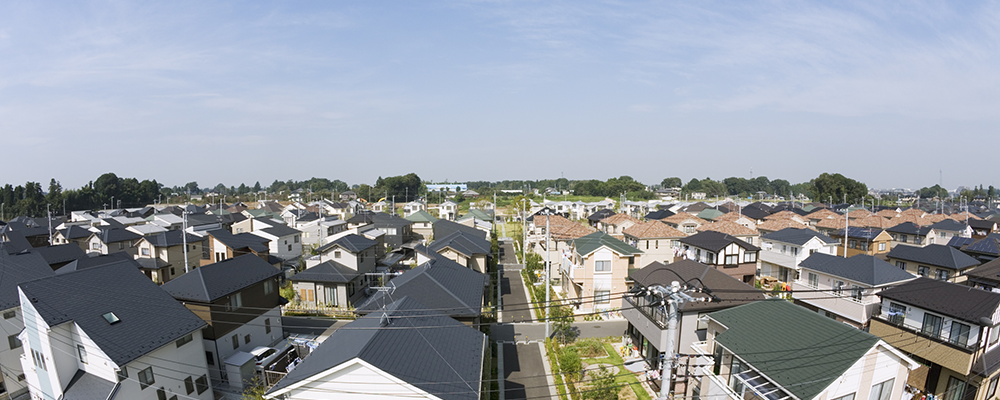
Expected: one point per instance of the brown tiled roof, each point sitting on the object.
(858, 214)
(783, 215)
(960, 217)
(775, 225)
(832, 223)
(683, 216)
(561, 228)
(619, 219)
(932, 218)
(733, 216)
(653, 229)
(914, 212)
(823, 213)
(901, 218)
(887, 213)
(729, 228)
(873, 221)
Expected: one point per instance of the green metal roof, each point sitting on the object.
(710, 214)
(590, 243)
(479, 214)
(421, 216)
(799, 350)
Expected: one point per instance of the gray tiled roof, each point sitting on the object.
(859, 268)
(18, 268)
(798, 236)
(281, 230)
(75, 232)
(731, 291)
(115, 235)
(354, 243)
(96, 261)
(171, 238)
(432, 352)
(440, 284)
(959, 301)
(240, 240)
(60, 253)
(149, 317)
(214, 281)
(948, 225)
(329, 271)
(86, 386)
(910, 228)
(938, 255)
(462, 243)
(716, 241)
(443, 227)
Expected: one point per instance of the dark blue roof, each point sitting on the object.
(329, 271)
(441, 284)
(798, 236)
(860, 233)
(859, 268)
(938, 255)
(214, 281)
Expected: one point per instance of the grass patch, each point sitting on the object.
(599, 351)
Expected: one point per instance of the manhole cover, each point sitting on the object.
(597, 327)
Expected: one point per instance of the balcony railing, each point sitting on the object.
(899, 321)
(652, 311)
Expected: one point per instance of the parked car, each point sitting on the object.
(264, 355)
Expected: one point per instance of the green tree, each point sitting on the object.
(694, 185)
(602, 385)
(256, 187)
(671, 182)
(932, 192)
(837, 187)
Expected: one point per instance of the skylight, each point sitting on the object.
(111, 318)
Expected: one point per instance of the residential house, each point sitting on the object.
(733, 229)
(658, 214)
(598, 215)
(112, 240)
(983, 227)
(353, 251)
(616, 224)
(85, 337)
(862, 241)
(390, 355)
(984, 250)
(845, 289)
(685, 222)
(442, 285)
(316, 232)
(60, 255)
(397, 230)
(448, 210)
(224, 245)
(422, 224)
(647, 319)
(936, 260)
(952, 329)
(594, 267)
(329, 283)
(733, 256)
(949, 228)
(739, 219)
(911, 234)
(76, 234)
(985, 276)
(467, 250)
(805, 356)
(443, 227)
(657, 240)
(284, 242)
(168, 247)
(16, 268)
(413, 207)
(241, 314)
(823, 214)
(561, 232)
(784, 250)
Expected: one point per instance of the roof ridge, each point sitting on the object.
(446, 289)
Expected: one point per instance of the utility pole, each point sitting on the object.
(673, 298)
(548, 272)
(49, 213)
(184, 240)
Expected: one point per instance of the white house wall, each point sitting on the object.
(356, 381)
(223, 347)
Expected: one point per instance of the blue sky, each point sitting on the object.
(887, 93)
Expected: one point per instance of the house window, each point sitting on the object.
(864, 246)
(210, 358)
(184, 340)
(82, 352)
(602, 296)
(13, 341)
(881, 391)
(994, 335)
(236, 301)
(902, 238)
(732, 259)
(901, 265)
(881, 246)
(857, 292)
(932, 325)
(268, 286)
(941, 275)
(95, 246)
(189, 384)
(267, 325)
(289, 247)
(39, 359)
(992, 388)
(9, 314)
(201, 384)
(331, 295)
(944, 235)
(853, 244)
(602, 265)
(246, 339)
(146, 378)
(959, 334)
(957, 389)
(795, 251)
(161, 394)
(145, 251)
(296, 239)
(336, 254)
(734, 370)
(923, 271)
(813, 280)
(846, 397)
(236, 341)
(122, 374)
(172, 271)
(750, 256)
(897, 313)
(838, 288)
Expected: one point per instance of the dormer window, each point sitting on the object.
(111, 318)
